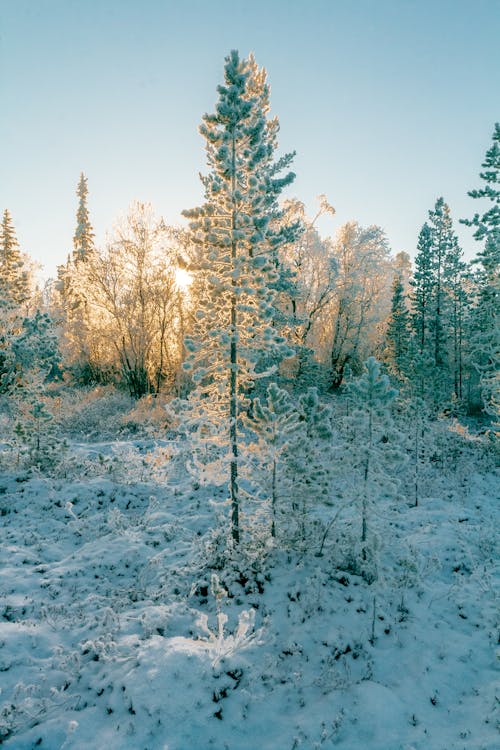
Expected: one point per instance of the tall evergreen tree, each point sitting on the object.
(14, 275)
(398, 329)
(443, 239)
(437, 303)
(73, 303)
(83, 240)
(485, 335)
(455, 277)
(238, 231)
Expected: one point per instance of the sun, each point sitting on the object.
(183, 279)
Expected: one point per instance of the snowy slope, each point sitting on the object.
(109, 635)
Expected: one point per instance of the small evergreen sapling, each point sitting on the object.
(373, 445)
(35, 361)
(309, 462)
(275, 423)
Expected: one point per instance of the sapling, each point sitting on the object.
(308, 468)
(274, 423)
(372, 447)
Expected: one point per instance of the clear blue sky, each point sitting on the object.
(388, 103)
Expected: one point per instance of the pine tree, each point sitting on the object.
(274, 423)
(485, 335)
(14, 274)
(436, 303)
(398, 330)
(72, 303)
(373, 448)
(488, 223)
(443, 240)
(455, 278)
(15, 293)
(422, 284)
(309, 464)
(238, 232)
(422, 311)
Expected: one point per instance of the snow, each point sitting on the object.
(111, 635)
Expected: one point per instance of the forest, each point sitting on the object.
(249, 483)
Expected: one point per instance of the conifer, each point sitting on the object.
(238, 232)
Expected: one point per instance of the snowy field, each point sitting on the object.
(122, 627)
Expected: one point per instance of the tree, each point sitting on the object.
(15, 295)
(238, 232)
(485, 336)
(309, 462)
(455, 280)
(373, 447)
(398, 330)
(83, 240)
(360, 302)
(422, 284)
(274, 423)
(443, 241)
(70, 299)
(132, 303)
(437, 302)
(34, 361)
(312, 273)
(488, 223)
(15, 281)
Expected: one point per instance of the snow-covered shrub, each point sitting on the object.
(98, 413)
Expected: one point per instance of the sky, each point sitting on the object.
(389, 104)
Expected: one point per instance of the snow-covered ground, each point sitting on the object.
(120, 628)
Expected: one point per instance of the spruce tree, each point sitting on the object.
(72, 289)
(238, 232)
(83, 240)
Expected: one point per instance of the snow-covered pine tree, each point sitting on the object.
(422, 284)
(373, 443)
(35, 361)
(15, 295)
(455, 282)
(36, 438)
(83, 240)
(238, 231)
(443, 241)
(433, 310)
(15, 282)
(398, 330)
(485, 334)
(308, 467)
(73, 309)
(274, 423)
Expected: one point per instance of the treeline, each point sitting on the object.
(252, 293)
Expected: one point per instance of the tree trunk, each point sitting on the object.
(233, 377)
